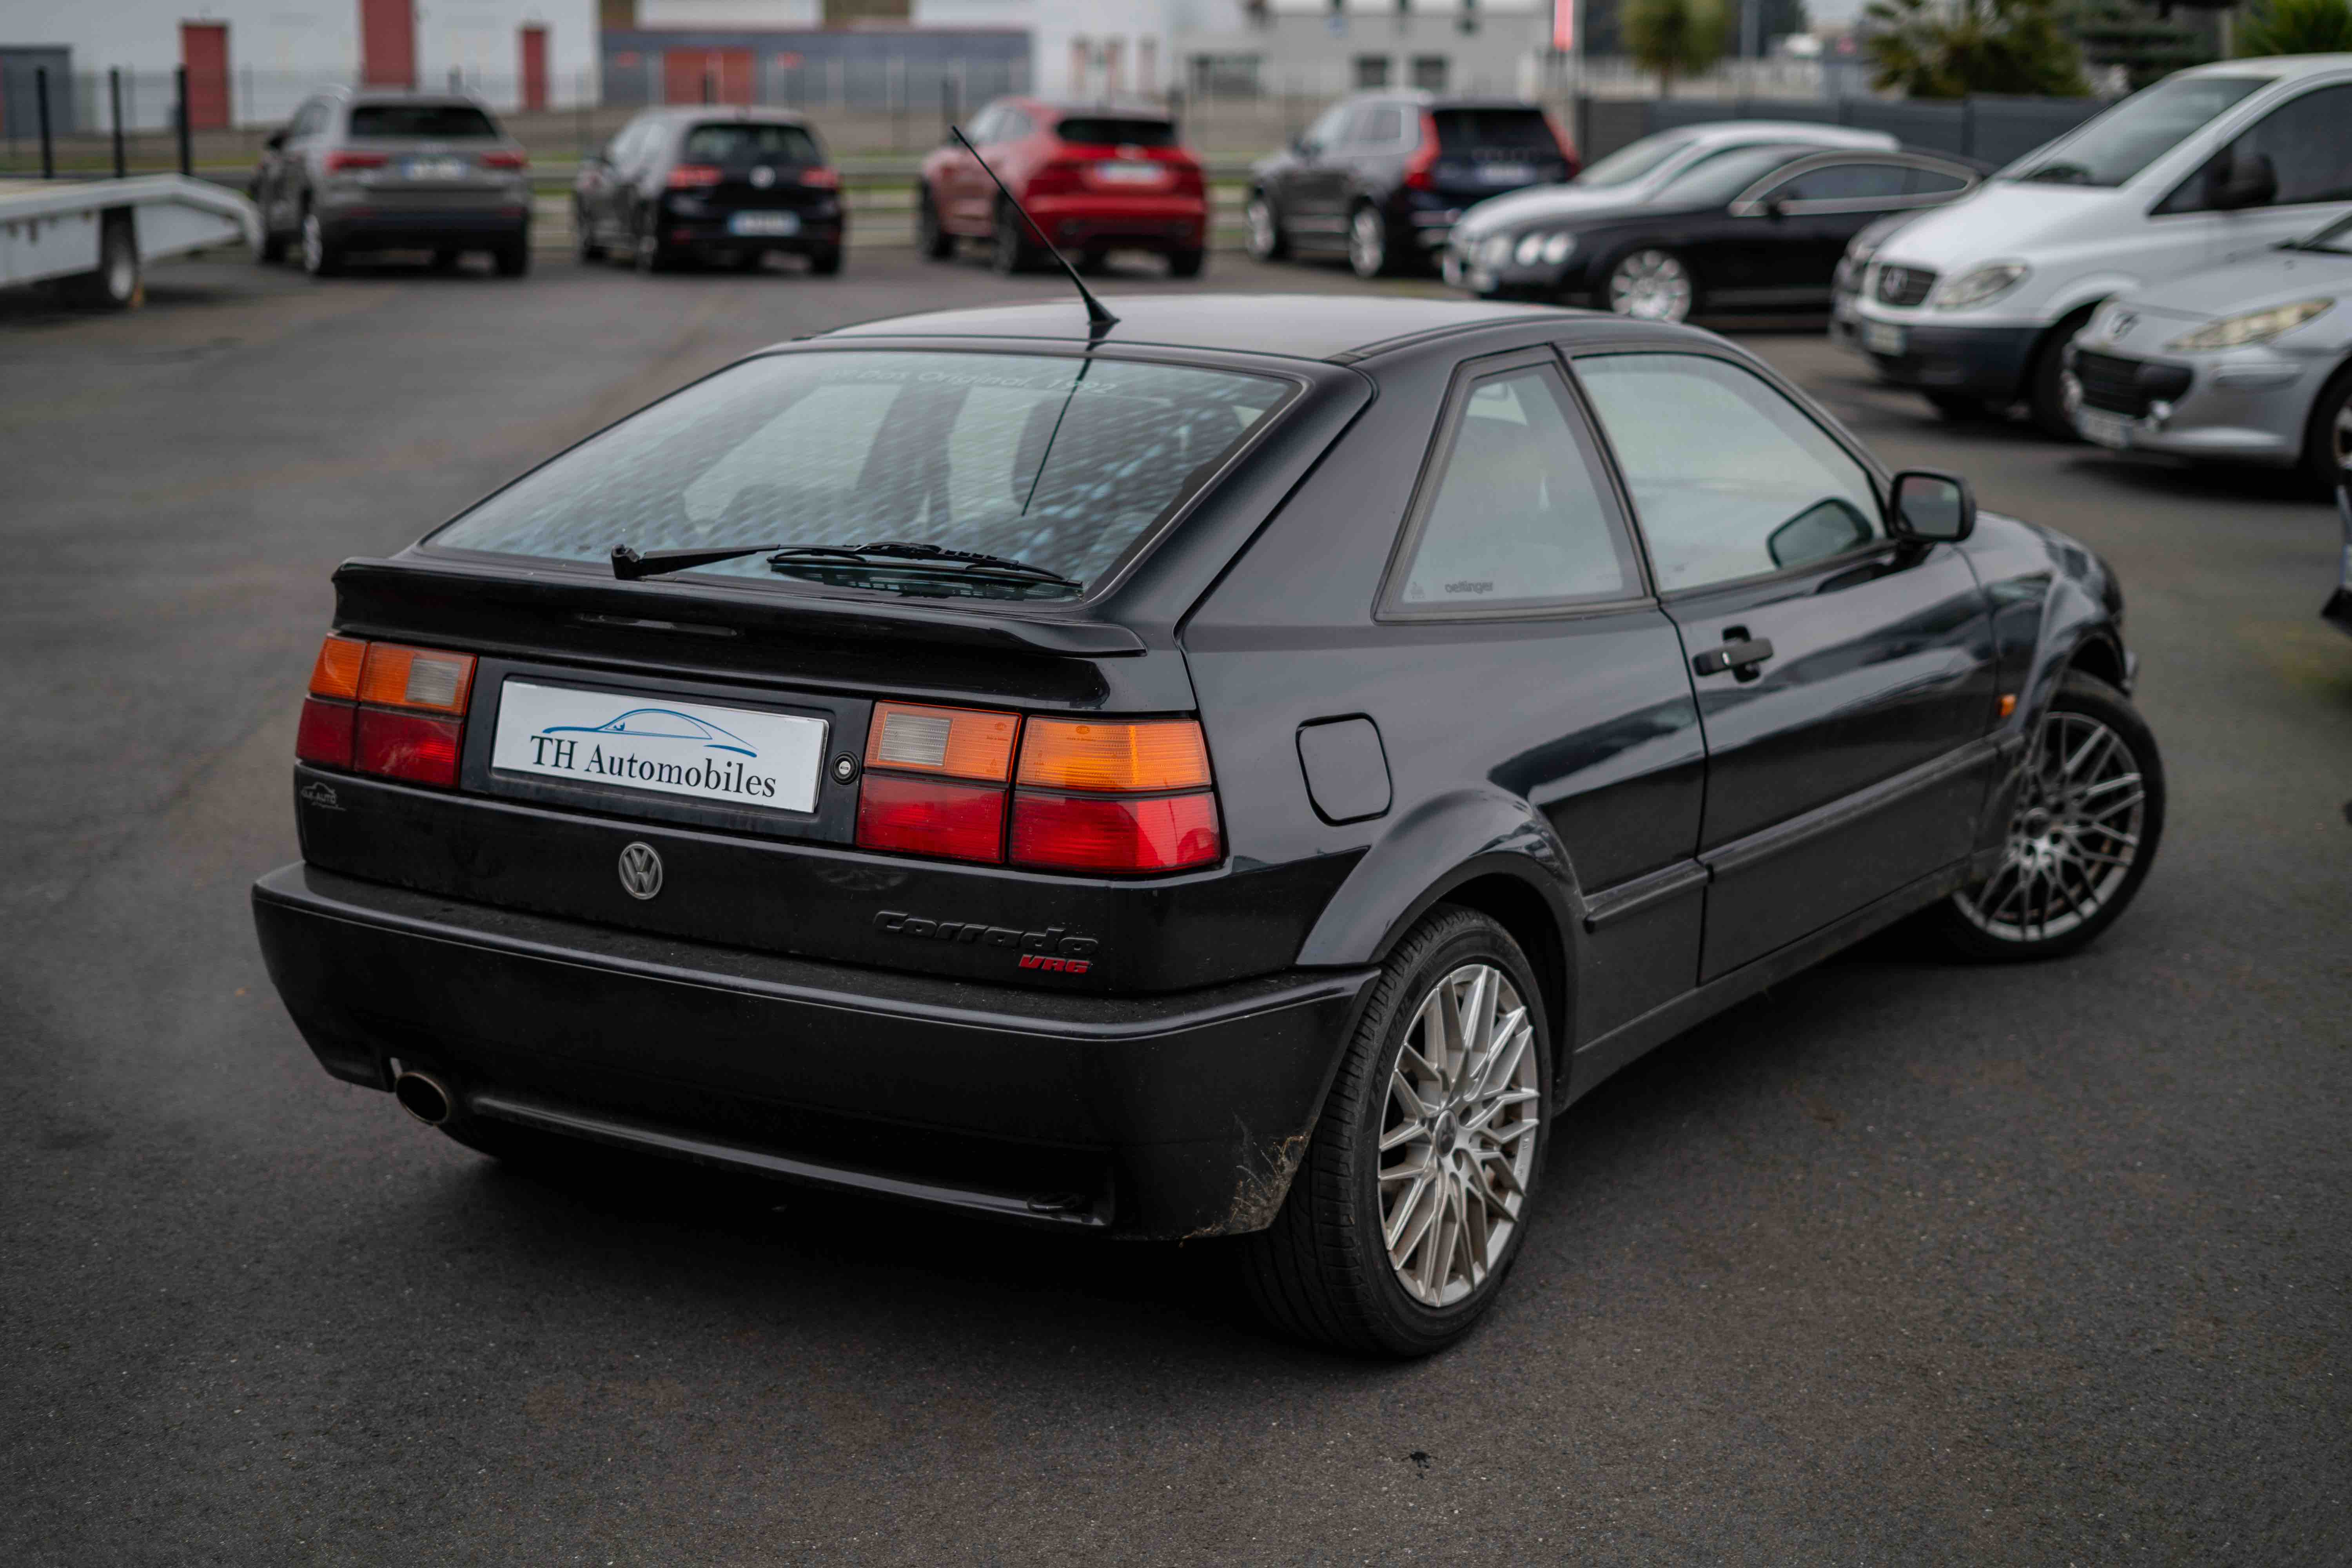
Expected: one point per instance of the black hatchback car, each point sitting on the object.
(735, 185)
(1243, 771)
(1752, 228)
(1382, 177)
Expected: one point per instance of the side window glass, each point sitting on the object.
(1932, 182)
(982, 128)
(2308, 143)
(1324, 135)
(1846, 183)
(1764, 489)
(1517, 515)
(1381, 126)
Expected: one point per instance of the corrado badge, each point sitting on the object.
(1053, 949)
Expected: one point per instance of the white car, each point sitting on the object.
(1974, 304)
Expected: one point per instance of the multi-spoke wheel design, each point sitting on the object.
(1651, 286)
(1458, 1143)
(1368, 243)
(2074, 839)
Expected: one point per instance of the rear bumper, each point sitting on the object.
(1161, 1116)
(1152, 222)
(361, 228)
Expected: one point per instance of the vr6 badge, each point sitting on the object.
(1053, 949)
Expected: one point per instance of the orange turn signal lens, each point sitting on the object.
(957, 742)
(336, 672)
(1089, 755)
(397, 677)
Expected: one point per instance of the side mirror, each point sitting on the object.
(276, 141)
(2237, 180)
(1931, 507)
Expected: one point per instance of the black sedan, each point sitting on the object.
(1241, 769)
(710, 185)
(1749, 228)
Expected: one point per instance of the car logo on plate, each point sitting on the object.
(641, 870)
(764, 177)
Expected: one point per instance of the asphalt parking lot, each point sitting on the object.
(1900, 1263)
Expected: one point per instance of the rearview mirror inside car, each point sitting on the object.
(1930, 507)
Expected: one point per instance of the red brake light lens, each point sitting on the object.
(693, 176)
(338, 162)
(1098, 832)
(1567, 149)
(1424, 158)
(380, 708)
(408, 746)
(324, 734)
(504, 161)
(931, 817)
(821, 179)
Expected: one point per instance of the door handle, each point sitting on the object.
(1739, 657)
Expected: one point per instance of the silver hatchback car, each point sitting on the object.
(393, 171)
(2249, 361)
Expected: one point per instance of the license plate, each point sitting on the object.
(1478, 279)
(764, 223)
(1506, 173)
(434, 169)
(732, 756)
(2107, 429)
(1127, 174)
(1882, 338)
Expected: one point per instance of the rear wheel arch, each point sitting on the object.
(1512, 902)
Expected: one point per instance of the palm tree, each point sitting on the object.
(1949, 48)
(1670, 36)
(2294, 27)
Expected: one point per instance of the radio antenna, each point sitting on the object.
(1098, 321)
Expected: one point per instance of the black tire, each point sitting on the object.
(825, 263)
(2045, 385)
(2327, 441)
(1186, 263)
(1961, 922)
(115, 285)
(1266, 241)
(1011, 247)
(271, 251)
(583, 234)
(1322, 1270)
(323, 256)
(932, 242)
(648, 254)
(512, 260)
(1957, 407)
(446, 261)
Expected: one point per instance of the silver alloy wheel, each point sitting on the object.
(1263, 239)
(1458, 1134)
(314, 243)
(2073, 840)
(1651, 286)
(2340, 438)
(1368, 243)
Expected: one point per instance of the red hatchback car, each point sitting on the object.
(1096, 178)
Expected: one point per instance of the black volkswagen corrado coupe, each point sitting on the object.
(1245, 769)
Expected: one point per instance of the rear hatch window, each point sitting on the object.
(1107, 130)
(423, 122)
(740, 144)
(1494, 149)
(1062, 463)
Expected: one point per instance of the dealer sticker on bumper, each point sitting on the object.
(1884, 338)
(733, 756)
(2107, 429)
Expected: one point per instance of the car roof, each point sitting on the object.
(1295, 326)
(1789, 130)
(2278, 67)
(749, 112)
(362, 96)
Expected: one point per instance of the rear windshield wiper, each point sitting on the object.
(629, 565)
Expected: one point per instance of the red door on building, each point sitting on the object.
(534, 67)
(203, 51)
(707, 75)
(388, 43)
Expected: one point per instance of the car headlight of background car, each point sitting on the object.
(2254, 326)
(1975, 287)
(1552, 248)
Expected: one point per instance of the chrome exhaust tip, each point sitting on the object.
(425, 1096)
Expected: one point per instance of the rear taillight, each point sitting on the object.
(1567, 148)
(1417, 169)
(693, 176)
(1058, 178)
(386, 708)
(821, 179)
(1115, 797)
(504, 161)
(935, 781)
(338, 162)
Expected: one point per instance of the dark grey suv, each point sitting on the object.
(392, 171)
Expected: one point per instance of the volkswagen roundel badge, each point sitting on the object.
(763, 176)
(641, 870)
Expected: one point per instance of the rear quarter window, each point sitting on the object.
(428, 121)
(739, 142)
(1462, 131)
